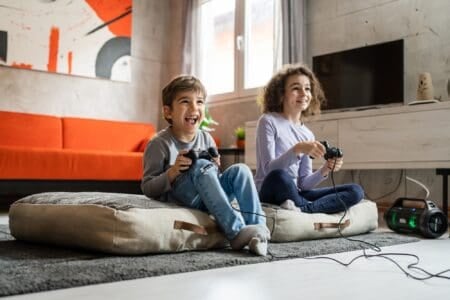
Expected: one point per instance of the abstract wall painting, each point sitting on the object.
(89, 38)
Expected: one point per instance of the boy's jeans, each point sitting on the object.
(203, 188)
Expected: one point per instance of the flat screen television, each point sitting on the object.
(361, 78)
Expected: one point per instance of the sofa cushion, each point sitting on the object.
(112, 223)
(291, 226)
(91, 134)
(30, 130)
(143, 145)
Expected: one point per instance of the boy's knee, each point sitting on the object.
(202, 166)
(241, 168)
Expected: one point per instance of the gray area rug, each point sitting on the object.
(28, 268)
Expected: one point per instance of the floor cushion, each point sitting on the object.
(290, 226)
(134, 224)
(113, 223)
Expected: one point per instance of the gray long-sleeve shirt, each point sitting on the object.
(275, 139)
(161, 153)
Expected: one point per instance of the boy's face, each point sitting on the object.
(187, 112)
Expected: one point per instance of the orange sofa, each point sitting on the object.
(47, 153)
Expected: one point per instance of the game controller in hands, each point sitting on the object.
(331, 152)
(194, 155)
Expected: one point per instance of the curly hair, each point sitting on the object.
(271, 98)
(181, 83)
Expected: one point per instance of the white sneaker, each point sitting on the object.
(290, 205)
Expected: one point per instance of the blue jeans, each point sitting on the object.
(203, 188)
(278, 186)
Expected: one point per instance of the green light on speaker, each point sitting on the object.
(394, 218)
(412, 222)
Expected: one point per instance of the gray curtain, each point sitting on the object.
(190, 36)
(293, 30)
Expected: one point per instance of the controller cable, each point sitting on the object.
(375, 199)
(388, 256)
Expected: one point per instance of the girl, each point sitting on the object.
(285, 147)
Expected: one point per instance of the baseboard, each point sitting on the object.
(15, 188)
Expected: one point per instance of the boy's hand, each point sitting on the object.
(182, 163)
(216, 160)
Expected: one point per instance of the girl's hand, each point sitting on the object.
(331, 165)
(313, 148)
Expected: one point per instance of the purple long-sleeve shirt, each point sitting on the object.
(275, 140)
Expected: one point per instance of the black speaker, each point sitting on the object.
(417, 216)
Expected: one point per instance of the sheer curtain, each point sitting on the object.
(191, 42)
(290, 29)
(293, 30)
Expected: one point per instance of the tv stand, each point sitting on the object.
(395, 137)
(399, 137)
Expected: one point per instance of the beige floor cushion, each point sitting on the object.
(112, 223)
(296, 226)
(133, 224)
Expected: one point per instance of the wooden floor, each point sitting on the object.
(366, 279)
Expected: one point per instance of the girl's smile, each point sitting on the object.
(297, 96)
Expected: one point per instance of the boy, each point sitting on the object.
(169, 175)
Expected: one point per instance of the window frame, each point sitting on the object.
(240, 32)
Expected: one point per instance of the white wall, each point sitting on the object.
(61, 95)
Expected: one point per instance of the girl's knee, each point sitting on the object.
(357, 192)
(278, 176)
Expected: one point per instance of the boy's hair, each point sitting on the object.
(271, 99)
(179, 84)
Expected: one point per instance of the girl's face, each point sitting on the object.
(187, 112)
(297, 95)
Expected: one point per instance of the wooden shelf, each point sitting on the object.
(394, 137)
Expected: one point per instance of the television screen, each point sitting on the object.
(362, 77)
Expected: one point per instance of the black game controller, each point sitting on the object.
(331, 152)
(194, 155)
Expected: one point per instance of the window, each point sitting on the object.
(237, 46)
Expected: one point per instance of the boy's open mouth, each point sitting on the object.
(191, 120)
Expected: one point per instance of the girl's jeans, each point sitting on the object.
(278, 186)
(203, 188)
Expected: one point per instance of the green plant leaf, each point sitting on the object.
(239, 132)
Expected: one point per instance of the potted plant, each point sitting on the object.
(240, 137)
(206, 123)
